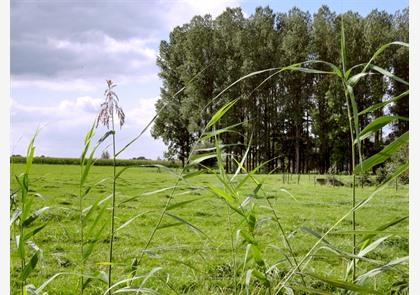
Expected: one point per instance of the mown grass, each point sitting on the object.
(191, 262)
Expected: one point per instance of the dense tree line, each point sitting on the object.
(295, 118)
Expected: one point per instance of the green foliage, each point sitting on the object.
(398, 158)
(301, 119)
(24, 221)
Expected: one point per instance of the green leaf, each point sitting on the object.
(241, 164)
(20, 244)
(190, 225)
(367, 238)
(329, 246)
(256, 254)
(354, 79)
(166, 225)
(121, 171)
(15, 216)
(382, 104)
(27, 270)
(250, 174)
(105, 136)
(87, 251)
(247, 237)
(201, 158)
(87, 212)
(365, 251)
(377, 124)
(372, 246)
(30, 152)
(375, 271)
(315, 234)
(248, 280)
(131, 220)
(180, 204)
(368, 232)
(220, 113)
(288, 193)
(86, 168)
(137, 290)
(343, 284)
(187, 175)
(388, 74)
(88, 189)
(149, 275)
(34, 216)
(383, 155)
(45, 283)
(89, 133)
(401, 169)
(355, 113)
(312, 71)
(309, 290)
(27, 208)
(148, 194)
(34, 231)
(222, 193)
(216, 132)
(99, 276)
(87, 140)
(381, 49)
(343, 46)
(348, 72)
(261, 277)
(95, 222)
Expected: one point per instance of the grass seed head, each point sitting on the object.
(108, 106)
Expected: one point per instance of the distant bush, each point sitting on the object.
(143, 158)
(99, 162)
(365, 179)
(400, 157)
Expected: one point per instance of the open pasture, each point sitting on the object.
(197, 258)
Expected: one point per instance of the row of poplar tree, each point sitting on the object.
(296, 119)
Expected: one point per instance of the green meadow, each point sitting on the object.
(192, 249)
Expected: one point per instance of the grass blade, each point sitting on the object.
(383, 155)
(378, 124)
(382, 104)
(343, 284)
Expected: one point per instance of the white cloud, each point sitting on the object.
(68, 112)
(53, 84)
(141, 115)
(214, 7)
(134, 45)
(105, 43)
(64, 48)
(84, 104)
(82, 85)
(64, 124)
(181, 12)
(72, 49)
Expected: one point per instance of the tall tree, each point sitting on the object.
(295, 37)
(171, 124)
(324, 47)
(297, 119)
(400, 68)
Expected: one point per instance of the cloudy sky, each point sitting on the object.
(63, 50)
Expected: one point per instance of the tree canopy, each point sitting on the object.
(295, 118)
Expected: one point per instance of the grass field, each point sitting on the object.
(193, 262)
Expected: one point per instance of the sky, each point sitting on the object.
(62, 51)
